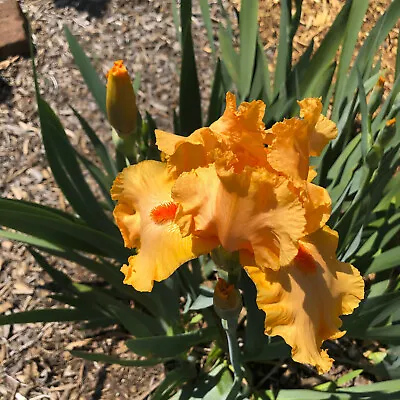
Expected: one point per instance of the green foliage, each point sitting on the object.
(89, 74)
(248, 44)
(189, 93)
(358, 168)
(376, 391)
(170, 346)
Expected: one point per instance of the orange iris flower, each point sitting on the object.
(237, 185)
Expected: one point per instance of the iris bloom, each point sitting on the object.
(237, 185)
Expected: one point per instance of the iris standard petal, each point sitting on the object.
(317, 205)
(247, 118)
(187, 153)
(289, 151)
(295, 140)
(254, 210)
(234, 141)
(321, 129)
(289, 155)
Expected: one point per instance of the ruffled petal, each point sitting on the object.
(187, 153)
(247, 118)
(317, 205)
(296, 140)
(168, 142)
(254, 210)
(325, 130)
(145, 214)
(289, 151)
(162, 251)
(241, 135)
(143, 186)
(310, 110)
(289, 155)
(322, 130)
(234, 141)
(304, 300)
(128, 222)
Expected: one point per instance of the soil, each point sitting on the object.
(35, 359)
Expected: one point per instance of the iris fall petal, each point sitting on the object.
(304, 300)
(145, 214)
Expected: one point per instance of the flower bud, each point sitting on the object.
(121, 100)
(387, 133)
(227, 300)
(376, 95)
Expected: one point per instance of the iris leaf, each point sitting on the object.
(189, 92)
(170, 346)
(89, 74)
(46, 315)
(248, 43)
(116, 360)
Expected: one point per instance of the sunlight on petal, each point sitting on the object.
(322, 130)
(317, 205)
(145, 215)
(289, 153)
(254, 210)
(234, 141)
(247, 118)
(304, 300)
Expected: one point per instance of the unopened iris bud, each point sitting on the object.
(227, 300)
(387, 133)
(376, 95)
(121, 100)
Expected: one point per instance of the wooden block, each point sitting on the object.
(13, 37)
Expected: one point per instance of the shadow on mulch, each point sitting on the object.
(95, 8)
(101, 378)
(5, 91)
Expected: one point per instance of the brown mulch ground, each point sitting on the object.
(317, 17)
(34, 358)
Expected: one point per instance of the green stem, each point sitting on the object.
(126, 148)
(228, 311)
(230, 328)
(120, 160)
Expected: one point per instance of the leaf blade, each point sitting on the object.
(170, 346)
(189, 93)
(248, 42)
(89, 74)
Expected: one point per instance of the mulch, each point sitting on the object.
(35, 359)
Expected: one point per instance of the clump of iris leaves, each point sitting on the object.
(175, 324)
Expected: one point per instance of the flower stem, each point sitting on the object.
(230, 328)
(228, 304)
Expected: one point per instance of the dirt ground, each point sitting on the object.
(35, 362)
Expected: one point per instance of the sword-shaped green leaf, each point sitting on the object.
(89, 74)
